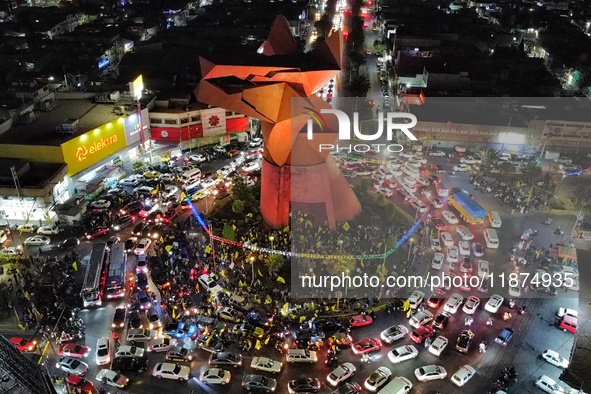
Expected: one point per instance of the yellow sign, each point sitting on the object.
(93, 146)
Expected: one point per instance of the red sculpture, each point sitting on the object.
(277, 86)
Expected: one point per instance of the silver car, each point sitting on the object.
(72, 366)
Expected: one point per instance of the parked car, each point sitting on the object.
(49, 230)
(171, 371)
(258, 383)
(215, 376)
(72, 366)
(37, 240)
(112, 378)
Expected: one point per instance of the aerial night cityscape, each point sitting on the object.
(287, 196)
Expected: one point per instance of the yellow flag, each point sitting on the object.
(161, 239)
(260, 273)
(183, 195)
(223, 272)
(346, 226)
(280, 279)
(249, 215)
(75, 266)
(234, 227)
(26, 295)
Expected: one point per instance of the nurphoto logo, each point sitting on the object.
(405, 122)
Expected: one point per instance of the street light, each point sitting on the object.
(410, 241)
(271, 238)
(252, 266)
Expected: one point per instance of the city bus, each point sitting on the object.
(117, 270)
(94, 280)
(442, 191)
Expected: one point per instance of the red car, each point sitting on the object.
(360, 321)
(439, 223)
(77, 384)
(23, 344)
(73, 350)
(368, 345)
(96, 232)
(422, 333)
(435, 300)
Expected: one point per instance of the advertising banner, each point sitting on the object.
(89, 148)
(214, 121)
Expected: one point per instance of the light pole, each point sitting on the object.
(410, 241)
(252, 266)
(341, 246)
(346, 283)
(272, 238)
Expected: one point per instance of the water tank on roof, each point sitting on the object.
(69, 126)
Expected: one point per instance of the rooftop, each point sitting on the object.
(42, 131)
(30, 174)
(502, 111)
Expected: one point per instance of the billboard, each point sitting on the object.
(213, 121)
(132, 127)
(93, 146)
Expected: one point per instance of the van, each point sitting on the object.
(398, 385)
(494, 219)
(483, 268)
(190, 176)
(491, 238)
(301, 356)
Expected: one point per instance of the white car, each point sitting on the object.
(410, 181)
(129, 351)
(419, 159)
(255, 143)
(462, 167)
(463, 375)
(169, 191)
(438, 345)
(100, 204)
(168, 177)
(435, 243)
(198, 158)
(435, 202)
(112, 378)
(452, 254)
(471, 305)
(72, 366)
(215, 376)
(464, 247)
(403, 353)
(225, 170)
(437, 262)
(341, 373)
(447, 239)
(407, 155)
(130, 182)
(494, 303)
(37, 240)
(554, 358)
(144, 190)
(437, 153)
(385, 192)
(420, 318)
(453, 304)
(11, 251)
(450, 217)
(251, 167)
(465, 233)
(103, 351)
(209, 283)
(549, 385)
(515, 291)
(470, 160)
(423, 182)
(229, 314)
(430, 372)
(171, 371)
(377, 379)
(208, 183)
(26, 228)
(394, 333)
(142, 246)
(160, 344)
(266, 364)
(48, 230)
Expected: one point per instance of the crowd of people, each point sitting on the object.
(511, 192)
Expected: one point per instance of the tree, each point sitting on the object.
(337, 266)
(379, 46)
(323, 26)
(274, 262)
(357, 60)
(531, 172)
(506, 168)
(359, 86)
(582, 194)
(490, 157)
(238, 206)
(241, 191)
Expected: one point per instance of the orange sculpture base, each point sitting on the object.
(320, 190)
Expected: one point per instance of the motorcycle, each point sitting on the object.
(468, 321)
(489, 321)
(559, 231)
(511, 303)
(547, 221)
(522, 310)
(482, 347)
